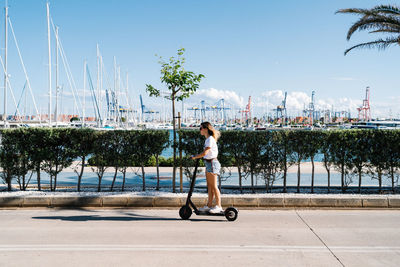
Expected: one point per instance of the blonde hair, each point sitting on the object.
(211, 130)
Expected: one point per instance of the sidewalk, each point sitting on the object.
(152, 199)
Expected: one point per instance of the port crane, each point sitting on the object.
(281, 110)
(144, 109)
(247, 111)
(364, 112)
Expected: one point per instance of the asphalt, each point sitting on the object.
(139, 237)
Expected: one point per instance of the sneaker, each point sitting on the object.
(204, 209)
(216, 209)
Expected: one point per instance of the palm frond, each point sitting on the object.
(381, 44)
(385, 30)
(360, 11)
(387, 9)
(375, 22)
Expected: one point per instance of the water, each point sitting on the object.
(132, 179)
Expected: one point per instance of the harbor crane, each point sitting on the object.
(281, 110)
(144, 109)
(247, 111)
(364, 112)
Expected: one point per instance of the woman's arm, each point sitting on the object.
(202, 154)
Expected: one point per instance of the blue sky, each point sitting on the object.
(258, 48)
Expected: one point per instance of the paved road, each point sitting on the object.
(126, 237)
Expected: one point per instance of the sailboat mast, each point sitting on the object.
(84, 93)
(98, 83)
(49, 51)
(57, 87)
(5, 66)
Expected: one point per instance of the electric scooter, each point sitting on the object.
(185, 211)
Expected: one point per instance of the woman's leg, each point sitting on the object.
(210, 189)
(214, 187)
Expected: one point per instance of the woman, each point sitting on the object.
(213, 166)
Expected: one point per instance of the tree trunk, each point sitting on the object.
(80, 175)
(359, 180)
(174, 145)
(342, 176)
(240, 180)
(38, 177)
(115, 176)
(298, 176)
(23, 182)
(99, 185)
(144, 180)
(252, 181)
(51, 182)
(284, 175)
(123, 179)
(392, 176)
(158, 174)
(329, 180)
(380, 181)
(19, 183)
(312, 174)
(9, 184)
(55, 179)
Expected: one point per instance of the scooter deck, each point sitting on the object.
(206, 213)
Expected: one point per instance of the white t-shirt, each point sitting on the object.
(213, 152)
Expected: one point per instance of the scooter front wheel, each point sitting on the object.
(231, 214)
(185, 212)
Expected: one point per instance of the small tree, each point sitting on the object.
(116, 154)
(341, 156)
(393, 156)
(270, 161)
(59, 154)
(21, 139)
(8, 158)
(378, 156)
(226, 160)
(298, 148)
(37, 150)
(82, 141)
(314, 144)
(326, 149)
(143, 151)
(159, 143)
(181, 84)
(281, 141)
(100, 158)
(359, 146)
(234, 146)
(127, 152)
(253, 145)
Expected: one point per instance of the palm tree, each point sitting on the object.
(383, 19)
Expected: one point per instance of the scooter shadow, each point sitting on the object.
(130, 217)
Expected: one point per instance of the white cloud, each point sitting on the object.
(212, 95)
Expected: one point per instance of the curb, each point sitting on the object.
(314, 201)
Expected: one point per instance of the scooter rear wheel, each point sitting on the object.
(231, 214)
(185, 212)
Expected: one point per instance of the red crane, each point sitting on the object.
(364, 112)
(247, 110)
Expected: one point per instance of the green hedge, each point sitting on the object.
(266, 154)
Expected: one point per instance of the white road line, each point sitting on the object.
(208, 248)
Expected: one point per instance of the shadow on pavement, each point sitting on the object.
(130, 217)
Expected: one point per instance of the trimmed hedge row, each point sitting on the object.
(269, 154)
(266, 154)
(24, 151)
